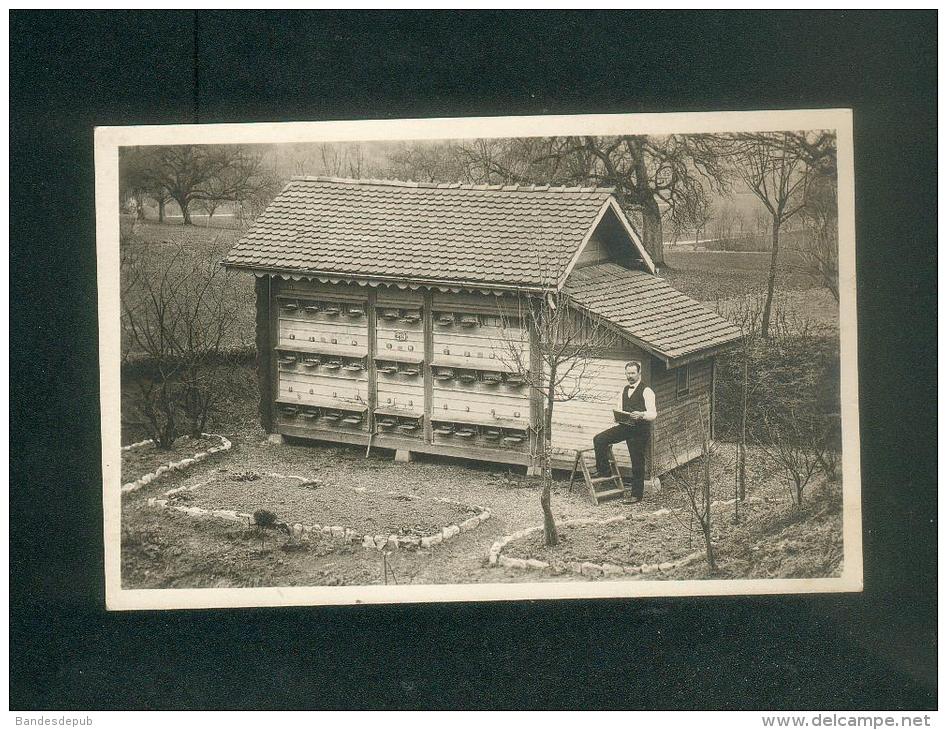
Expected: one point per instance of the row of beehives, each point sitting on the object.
(354, 416)
(407, 315)
(310, 361)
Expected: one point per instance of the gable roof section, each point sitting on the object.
(648, 310)
(511, 236)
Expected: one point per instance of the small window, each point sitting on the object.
(682, 381)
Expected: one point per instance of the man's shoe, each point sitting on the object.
(631, 499)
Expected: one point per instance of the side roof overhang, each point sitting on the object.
(647, 311)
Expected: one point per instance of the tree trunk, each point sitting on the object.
(160, 211)
(550, 531)
(139, 207)
(183, 204)
(771, 285)
(711, 561)
(741, 452)
(652, 232)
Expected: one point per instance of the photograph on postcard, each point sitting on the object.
(591, 358)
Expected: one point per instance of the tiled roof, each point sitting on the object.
(504, 235)
(647, 308)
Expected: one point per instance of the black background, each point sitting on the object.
(71, 71)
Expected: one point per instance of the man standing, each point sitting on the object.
(636, 400)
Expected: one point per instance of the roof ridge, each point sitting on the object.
(452, 185)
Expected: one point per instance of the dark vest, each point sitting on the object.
(635, 402)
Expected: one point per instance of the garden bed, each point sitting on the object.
(358, 512)
(660, 540)
(147, 457)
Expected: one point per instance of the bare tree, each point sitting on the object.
(175, 317)
(556, 360)
(218, 173)
(818, 249)
(776, 171)
(727, 227)
(693, 480)
(797, 444)
(647, 172)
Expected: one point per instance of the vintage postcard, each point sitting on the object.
(478, 359)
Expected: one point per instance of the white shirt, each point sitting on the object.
(651, 410)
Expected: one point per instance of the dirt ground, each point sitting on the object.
(165, 549)
(324, 504)
(651, 539)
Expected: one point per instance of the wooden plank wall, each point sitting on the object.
(677, 432)
(576, 422)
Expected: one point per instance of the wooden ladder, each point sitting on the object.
(601, 488)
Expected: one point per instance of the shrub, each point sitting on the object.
(176, 315)
(264, 519)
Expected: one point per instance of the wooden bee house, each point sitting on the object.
(395, 313)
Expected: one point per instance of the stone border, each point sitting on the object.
(599, 569)
(300, 532)
(225, 445)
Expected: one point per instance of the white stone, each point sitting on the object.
(610, 569)
(468, 525)
(591, 569)
(380, 541)
(410, 541)
(151, 501)
(337, 531)
(632, 569)
(536, 564)
(450, 531)
(275, 438)
(431, 541)
(484, 516)
(574, 567)
(667, 566)
(646, 569)
(403, 456)
(392, 543)
(368, 541)
(614, 520)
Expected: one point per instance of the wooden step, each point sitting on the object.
(599, 480)
(609, 494)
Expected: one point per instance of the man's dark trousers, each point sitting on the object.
(637, 438)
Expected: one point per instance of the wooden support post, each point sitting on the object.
(713, 395)
(427, 323)
(265, 354)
